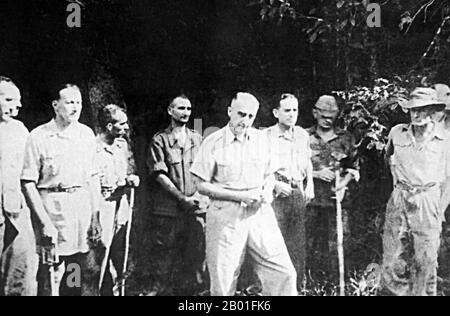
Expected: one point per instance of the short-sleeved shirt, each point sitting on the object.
(114, 162)
(338, 151)
(420, 164)
(55, 159)
(168, 156)
(60, 159)
(13, 136)
(291, 150)
(234, 163)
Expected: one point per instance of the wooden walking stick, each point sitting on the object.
(340, 237)
(127, 242)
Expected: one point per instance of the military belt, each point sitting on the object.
(61, 189)
(415, 189)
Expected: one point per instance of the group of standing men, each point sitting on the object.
(258, 188)
(63, 198)
(267, 193)
(272, 193)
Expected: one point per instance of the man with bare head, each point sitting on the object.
(117, 175)
(294, 187)
(61, 185)
(442, 116)
(234, 169)
(19, 259)
(176, 222)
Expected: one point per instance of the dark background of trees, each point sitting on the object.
(140, 53)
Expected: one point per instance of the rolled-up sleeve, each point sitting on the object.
(204, 163)
(156, 161)
(32, 162)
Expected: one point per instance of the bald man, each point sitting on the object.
(234, 169)
(19, 260)
(442, 117)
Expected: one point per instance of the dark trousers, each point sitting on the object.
(115, 264)
(177, 255)
(290, 213)
(76, 275)
(322, 258)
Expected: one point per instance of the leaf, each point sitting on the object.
(340, 4)
(313, 37)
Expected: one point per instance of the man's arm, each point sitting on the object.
(309, 191)
(167, 184)
(43, 221)
(445, 198)
(218, 193)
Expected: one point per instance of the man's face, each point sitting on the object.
(325, 119)
(181, 111)
(439, 116)
(242, 116)
(68, 107)
(287, 113)
(421, 116)
(9, 100)
(120, 128)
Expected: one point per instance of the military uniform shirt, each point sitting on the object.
(327, 155)
(167, 156)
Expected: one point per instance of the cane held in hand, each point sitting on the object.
(127, 242)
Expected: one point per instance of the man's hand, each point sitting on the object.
(95, 231)
(325, 174)
(282, 189)
(340, 190)
(309, 193)
(49, 234)
(189, 204)
(133, 181)
(252, 199)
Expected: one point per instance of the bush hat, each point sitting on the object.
(422, 97)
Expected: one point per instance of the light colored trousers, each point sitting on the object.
(231, 230)
(411, 243)
(19, 264)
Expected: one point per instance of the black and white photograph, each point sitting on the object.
(247, 149)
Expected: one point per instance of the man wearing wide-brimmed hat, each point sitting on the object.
(419, 155)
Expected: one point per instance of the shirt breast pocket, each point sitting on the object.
(51, 165)
(226, 172)
(435, 155)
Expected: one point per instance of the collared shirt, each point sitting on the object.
(338, 151)
(420, 164)
(234, 163)
(114, 163)
(60, 159)
(291, 150)
(13, 136)
(55, 159)
(167, 156)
